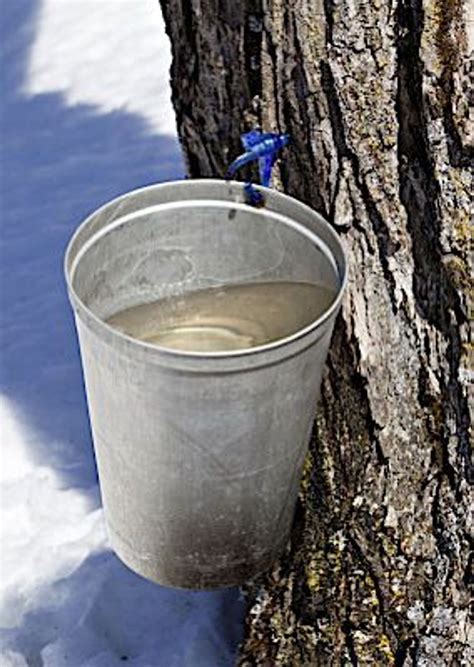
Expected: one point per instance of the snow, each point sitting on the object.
(68, 145)
(47, 530)
(111, 62)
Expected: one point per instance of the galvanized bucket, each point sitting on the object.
(199, 454)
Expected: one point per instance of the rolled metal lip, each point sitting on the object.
(69, 266)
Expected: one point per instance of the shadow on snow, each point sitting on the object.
(58, 164)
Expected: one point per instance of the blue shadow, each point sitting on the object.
(57, 165)
(104, 615)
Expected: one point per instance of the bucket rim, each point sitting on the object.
(166, 353)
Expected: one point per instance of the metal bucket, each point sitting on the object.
(199, 454)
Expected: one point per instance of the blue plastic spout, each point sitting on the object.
(261, 146)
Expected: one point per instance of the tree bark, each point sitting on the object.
(375, 96)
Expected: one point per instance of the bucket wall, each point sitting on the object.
(199, 454)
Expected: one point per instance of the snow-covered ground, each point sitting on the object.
(112, 54)
(85, 115)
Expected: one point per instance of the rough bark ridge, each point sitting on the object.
(375, 96)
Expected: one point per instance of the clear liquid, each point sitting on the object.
(232, 317)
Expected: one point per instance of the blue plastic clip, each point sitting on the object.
(261, 146)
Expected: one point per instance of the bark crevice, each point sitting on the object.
(436, 296)
(386, 246)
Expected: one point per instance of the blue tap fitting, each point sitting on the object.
(261, 146)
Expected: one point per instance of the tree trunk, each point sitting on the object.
(375, 97)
